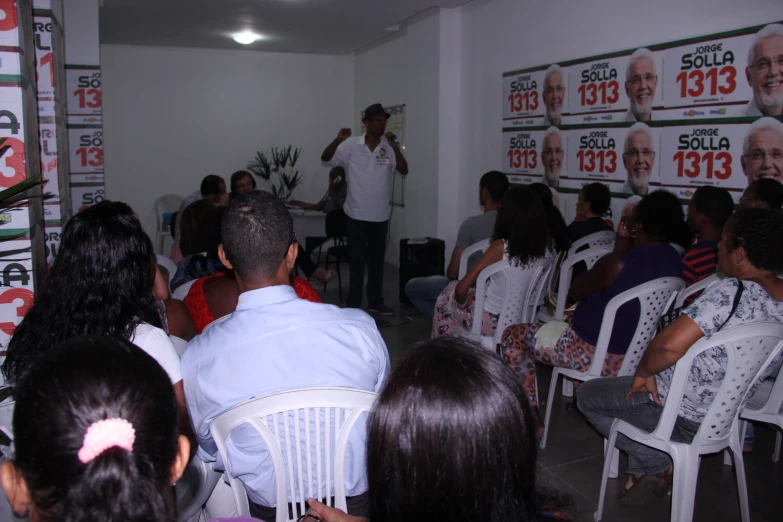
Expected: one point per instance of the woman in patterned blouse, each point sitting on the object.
(750, 254)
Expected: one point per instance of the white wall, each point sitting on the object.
(405, 69)
(173, 115)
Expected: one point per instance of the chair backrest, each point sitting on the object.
(481, 246)
(750, 349)
(179, 344)
(182, 290)
(168, 264)
(524, 285)
(166, 203)
(216, 321)
(695, 288)
(593, 240)
(654, 297)
(334, 224)
(299, 428)
(590, 257)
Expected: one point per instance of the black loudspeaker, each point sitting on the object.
(420, 258)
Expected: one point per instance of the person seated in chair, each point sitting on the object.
(708, 211)
(751, 252)
(654, 221)
(592, 203)
(273, 342)
(335, 195)
(763, 193)
(424, 291)
(522, 238)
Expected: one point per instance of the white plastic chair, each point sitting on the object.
(750, 349)
(168, 264)
(695, 288)
(194, 488)
(654, 297)
(283, 413)
(179, 344)
(590, 257)
(182, 290)
(163, 205)
(216, 321)
(605, 238)
(481, 246)
(771, 412)
(524, 286)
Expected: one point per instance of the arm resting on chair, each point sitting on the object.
(601, 276)
(493, 254)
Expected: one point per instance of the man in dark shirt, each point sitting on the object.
(708, 210)
(592, 203)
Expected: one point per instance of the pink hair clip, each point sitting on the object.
(105, 434)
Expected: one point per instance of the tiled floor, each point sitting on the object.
(573, 458)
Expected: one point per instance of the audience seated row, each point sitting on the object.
(96, 425)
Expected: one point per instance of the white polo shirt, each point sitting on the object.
(367, 173)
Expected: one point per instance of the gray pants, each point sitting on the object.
(603, 400)
(424, 291)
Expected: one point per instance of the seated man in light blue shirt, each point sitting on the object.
(275, 341)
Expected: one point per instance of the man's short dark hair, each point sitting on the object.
(715, 203)
(768, 191)
(496, 184)
(257, 231)
(597, 194)
(211, 185)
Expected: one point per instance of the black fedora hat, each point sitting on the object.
(372, 110)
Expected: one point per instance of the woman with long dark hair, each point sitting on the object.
(557, 225)
(452, 439)
(655, 222)
(521, 236)
(100, 283)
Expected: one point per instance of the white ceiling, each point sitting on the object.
(301, 26)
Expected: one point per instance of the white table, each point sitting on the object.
(308, 223)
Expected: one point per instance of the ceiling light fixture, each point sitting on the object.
(246, 38)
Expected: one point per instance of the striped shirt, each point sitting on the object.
(699, 261)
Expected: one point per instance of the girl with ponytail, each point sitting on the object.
(96, 437)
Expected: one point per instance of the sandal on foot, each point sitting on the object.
(638, 493)
(663, 485)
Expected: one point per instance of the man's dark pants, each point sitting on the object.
(366, 244)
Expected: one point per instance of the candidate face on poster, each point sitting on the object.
(638, 159)
(554, 95)
(641, 85)
(552, 156)
(764, 72)
(762, 155)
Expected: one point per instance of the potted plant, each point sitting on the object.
(277, 167)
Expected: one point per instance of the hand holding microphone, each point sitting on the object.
(392, 138)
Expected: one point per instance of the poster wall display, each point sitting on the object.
(677, 115)
(22, 259)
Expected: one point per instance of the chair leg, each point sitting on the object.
(739, 469)
(615, 456)
(550, 400)
(778, 440)
(568, 387)
(339, 279)
(608, 456)
(686, 473)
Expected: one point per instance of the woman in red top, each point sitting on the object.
(216, 295)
